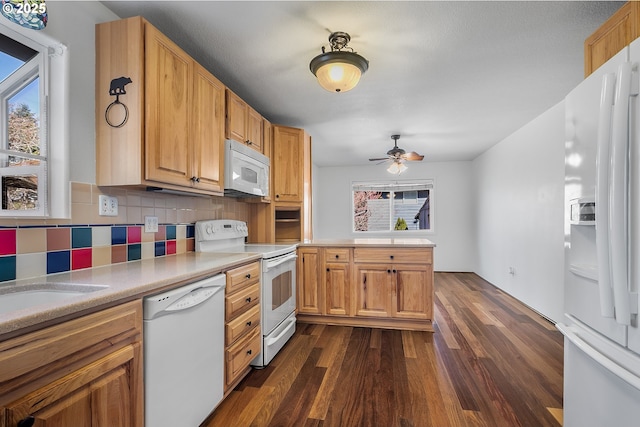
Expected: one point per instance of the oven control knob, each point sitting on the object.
(209, 229)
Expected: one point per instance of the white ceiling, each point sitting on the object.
(452, 78)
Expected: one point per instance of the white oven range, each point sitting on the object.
(278, 281)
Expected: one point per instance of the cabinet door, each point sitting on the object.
(236, 123)
(208, 131)
(100, 394)
(288, 164)
(254, 129)
(309, 291)
(373, 290)
(616, 33)
(337, 280)
(168, 86)
(412, 297)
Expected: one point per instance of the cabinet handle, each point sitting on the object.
(26, 422)
(248, 276)
(248, 299)
(249, 323)
(249, 352)
(195, 179)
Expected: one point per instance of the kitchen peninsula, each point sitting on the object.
(385, 283)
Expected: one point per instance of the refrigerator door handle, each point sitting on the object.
(618, 203)
(602, 195)
(629, 377)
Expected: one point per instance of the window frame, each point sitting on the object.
(53, 74)
(427, 181)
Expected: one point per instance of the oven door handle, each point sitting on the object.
(288, 324)
(276, 262)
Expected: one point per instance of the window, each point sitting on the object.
(392, 206)
(29, 136)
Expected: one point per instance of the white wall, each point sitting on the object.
(73, 24)
(519, 189)
(454, 232)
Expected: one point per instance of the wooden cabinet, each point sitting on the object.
(242, 328)
(172, 134)
(366, 286)
(395, 283)
(309, 290)
(84, 372)
(288, 164)
(243, 123)
(291, 181)
(617, 32)
(337, 277)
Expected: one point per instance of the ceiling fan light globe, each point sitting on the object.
(397, 168)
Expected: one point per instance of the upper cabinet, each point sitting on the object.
(243, 124)
(288, 165)
(159, 114)
(617, 32)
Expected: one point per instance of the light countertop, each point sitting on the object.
(125, 281)
(382, 242)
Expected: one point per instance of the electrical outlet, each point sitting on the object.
(150, 224)
(107, 206)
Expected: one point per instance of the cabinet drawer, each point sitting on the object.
(239, 355)
(242, 276)
(394, 255)
(240, 301)
(242, 324)
(337, 255)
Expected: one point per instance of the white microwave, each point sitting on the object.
(246, 172)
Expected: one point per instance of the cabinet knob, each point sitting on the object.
(195, 179)
(249, 352)
(388, 271)
(248, 142)
(26, 422)
(248, 299)
(249, 323)
(327, 269)
(277, 196)
(337, 256)
(248, 276)
(394, 271)
(391, 256)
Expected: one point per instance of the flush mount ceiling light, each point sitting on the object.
(340, 69)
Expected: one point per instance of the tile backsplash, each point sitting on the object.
(36, 247)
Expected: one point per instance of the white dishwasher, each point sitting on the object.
(184, 353)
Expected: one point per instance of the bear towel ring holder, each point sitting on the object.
(117, 88)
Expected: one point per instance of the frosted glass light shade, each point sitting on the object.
(397, 168)
(338, 71)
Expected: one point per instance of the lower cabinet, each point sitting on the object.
(81, 373)
(364, 286)
(242, 328)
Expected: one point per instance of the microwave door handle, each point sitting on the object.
(277, 262)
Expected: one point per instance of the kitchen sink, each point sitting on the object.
(18, 298)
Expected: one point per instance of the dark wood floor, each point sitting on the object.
(490, 362)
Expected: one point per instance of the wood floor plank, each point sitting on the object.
(490, 362)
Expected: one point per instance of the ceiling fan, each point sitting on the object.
(398, 156)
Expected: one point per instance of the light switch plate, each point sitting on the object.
(150, 224)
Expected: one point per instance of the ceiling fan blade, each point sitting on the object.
(377, 160)
(412, 156)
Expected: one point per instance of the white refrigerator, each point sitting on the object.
(602, 244)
